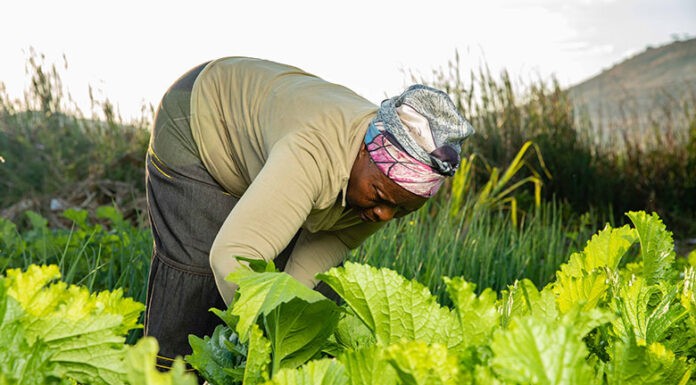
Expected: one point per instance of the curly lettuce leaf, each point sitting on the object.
(417, 363)
(256, 368)
(478, 315)
(632, 363)
(585, 278)
(393, 307)
(656, 246)
(368, 366)
(85, 331)
(318, 372)
(21, 362)
(522, 298)
(537, 350)
(140, 367)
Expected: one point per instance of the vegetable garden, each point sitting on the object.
(604, 320)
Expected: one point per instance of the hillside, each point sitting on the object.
(640, 89)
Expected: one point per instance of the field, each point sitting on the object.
(547, 259)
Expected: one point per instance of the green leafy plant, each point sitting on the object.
(605, 320)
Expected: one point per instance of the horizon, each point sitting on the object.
(131, 53)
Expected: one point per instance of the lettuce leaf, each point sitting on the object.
(417, 363)
(368, 366)
(393, 307)
(317, 372)
(85, 331)
(140, 367)
(656, 246)
(537, 350)
(289, 312)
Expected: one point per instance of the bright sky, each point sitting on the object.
(131, 51)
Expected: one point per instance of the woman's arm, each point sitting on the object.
(270, 212)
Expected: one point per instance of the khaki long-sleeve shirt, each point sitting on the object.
(284, 141)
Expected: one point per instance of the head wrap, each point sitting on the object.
(416, 139)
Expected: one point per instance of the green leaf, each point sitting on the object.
(318, 372)
(216, 357)
(351, 333)
(140, 367)
(256, 369)
(84, 330)
(656, 246)
(259, 265)
(298, 330)
(650, 314)
(260, 293)
(588, 290)
(585, 278)
(417, 363)
(393, 307)
(368, 366)
(604, 249)
(536, 350)
(637, 364)
(478, 315)
(523, 298)
(79, 217)
(21, 362)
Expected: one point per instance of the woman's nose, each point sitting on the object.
(384, 213)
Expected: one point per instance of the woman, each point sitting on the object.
(262, 160)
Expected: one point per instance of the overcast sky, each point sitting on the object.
(131, 51)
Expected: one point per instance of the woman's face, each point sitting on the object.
(376, 197)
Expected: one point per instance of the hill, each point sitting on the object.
(640, 90)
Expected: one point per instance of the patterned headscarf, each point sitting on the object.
(416, 139)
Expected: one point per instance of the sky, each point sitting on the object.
(131, 51)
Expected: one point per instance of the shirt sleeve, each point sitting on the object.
(270, 212)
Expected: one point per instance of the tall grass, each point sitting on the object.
(485, 248)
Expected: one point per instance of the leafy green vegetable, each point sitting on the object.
(478, 316)
(538, 350)
(393, 307)
(318, 372)
(368, 366)
(256, 370)
(656, 245)
(140, 367)
(216, 358)
(417, 363)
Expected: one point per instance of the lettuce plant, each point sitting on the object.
(605, 320)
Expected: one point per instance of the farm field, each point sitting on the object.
(549, 258)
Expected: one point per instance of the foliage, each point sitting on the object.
(55, 333)
(601, 322)
(108, 256)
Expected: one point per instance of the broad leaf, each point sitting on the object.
(393, 307)
(656, 246)
(536, 350)
(256, 369)
(478, 315)
(368, 366)
(417, 363)
(653, 365)
(261, 293)
(215, 357)
(351, 333)
(298, 330)
(140, 367)
(318, 372)
(523, 298)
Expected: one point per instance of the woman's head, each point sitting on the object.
(409, 149)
